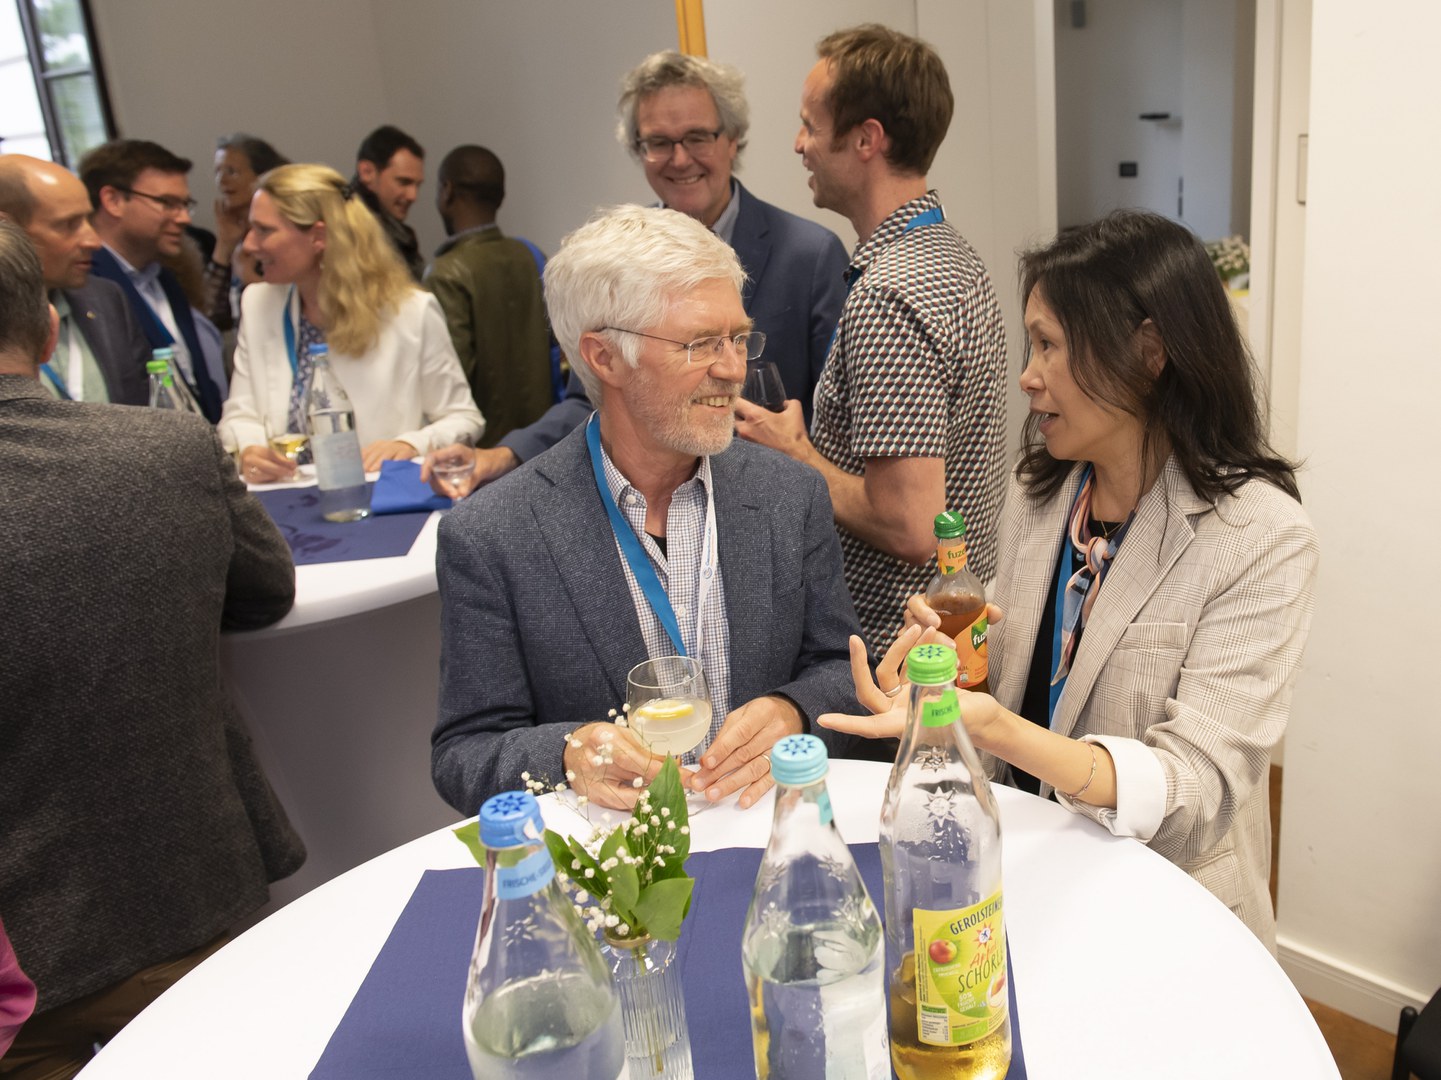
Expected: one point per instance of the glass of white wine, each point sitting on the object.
(289, 444)
(669, 708)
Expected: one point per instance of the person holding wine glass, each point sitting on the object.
(330, 276)
(1156, 569)
(647, 533)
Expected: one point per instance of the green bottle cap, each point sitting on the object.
(950, 525)
(931, 665)
(157, 367)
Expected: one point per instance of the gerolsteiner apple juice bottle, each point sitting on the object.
(940, 840)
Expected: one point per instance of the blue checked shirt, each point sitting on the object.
(679, 571)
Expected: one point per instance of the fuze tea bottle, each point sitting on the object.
(811, 948)
(959, 598)
(538, 1000)
(946, 970)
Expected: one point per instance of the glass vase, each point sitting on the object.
(652, 1007)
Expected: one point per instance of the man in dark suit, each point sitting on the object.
(685, 119)
(138, 827)
(102, 352)
(142, 206)
(647, 532)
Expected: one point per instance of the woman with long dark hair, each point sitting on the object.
(1156, 567)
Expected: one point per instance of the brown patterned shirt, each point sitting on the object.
(917, 369)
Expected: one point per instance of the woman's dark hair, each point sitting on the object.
(1102, 281)
(262, 156)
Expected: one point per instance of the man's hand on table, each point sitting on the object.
(739, 755)
(262, 465)
(603, 761)
(488, 465)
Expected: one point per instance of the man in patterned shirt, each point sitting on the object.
(645, 532)
(910, 415)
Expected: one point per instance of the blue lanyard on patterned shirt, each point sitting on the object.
(635, 555)
(934, 216)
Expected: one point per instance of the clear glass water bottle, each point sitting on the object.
(167, 388)
(812, 947)
(538, 1001)
(339, 472)
(946, 970)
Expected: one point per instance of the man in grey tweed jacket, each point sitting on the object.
(542, 613)
(135, 824)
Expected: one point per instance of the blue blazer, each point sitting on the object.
(795, 288)
(538, 629)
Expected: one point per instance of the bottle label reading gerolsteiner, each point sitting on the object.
(960, 972)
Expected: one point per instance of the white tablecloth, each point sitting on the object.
(1125, 966)
(340, 699)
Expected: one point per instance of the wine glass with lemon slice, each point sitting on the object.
(669, 705)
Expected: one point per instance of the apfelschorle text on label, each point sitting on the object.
(960, 972)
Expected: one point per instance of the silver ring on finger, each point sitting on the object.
(768, 761)
(893, 691)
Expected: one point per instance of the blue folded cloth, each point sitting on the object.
(399, 490)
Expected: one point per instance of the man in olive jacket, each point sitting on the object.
(137, 826)
(489, 287)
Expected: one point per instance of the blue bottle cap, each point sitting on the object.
(320, 348)
(798, 759)
(510, 819)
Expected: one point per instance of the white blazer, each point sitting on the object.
(409, 386)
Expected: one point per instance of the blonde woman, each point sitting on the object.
(331, 276)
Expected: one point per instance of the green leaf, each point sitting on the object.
(469, 835)
(624, 891)
(559, 852)
(666, 791)
(662, 905)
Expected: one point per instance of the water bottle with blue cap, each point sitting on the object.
(812, 946)
(538, 1001)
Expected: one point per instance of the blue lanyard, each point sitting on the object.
(56, 381)
(934, 216)
(1062, 576)
(290, 350)
(630, 545)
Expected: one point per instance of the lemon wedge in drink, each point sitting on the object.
(663, 709)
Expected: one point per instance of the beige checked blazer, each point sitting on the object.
(1191, 649)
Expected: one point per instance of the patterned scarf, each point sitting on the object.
(1085, 583)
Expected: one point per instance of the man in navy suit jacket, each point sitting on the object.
(685, 118)
(647, 532)
(142, 205)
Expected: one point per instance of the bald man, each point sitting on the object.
(489, 287)
(102, 350)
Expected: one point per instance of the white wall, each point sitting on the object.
(302, 76)
(1190, 58)
(536, 82)
(1360, 870)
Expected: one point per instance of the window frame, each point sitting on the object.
(44, 80)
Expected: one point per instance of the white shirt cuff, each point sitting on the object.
(1140, 789)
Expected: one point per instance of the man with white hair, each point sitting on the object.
(646, 532)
